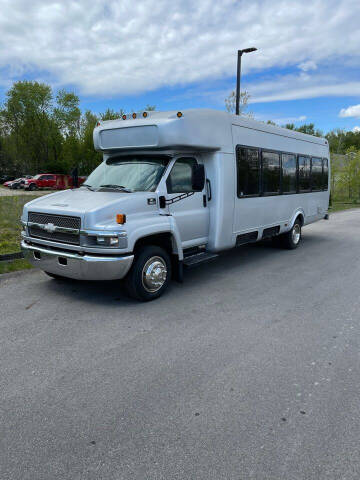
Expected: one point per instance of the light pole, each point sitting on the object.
(240, 53)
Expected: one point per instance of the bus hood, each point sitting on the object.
(96, 209)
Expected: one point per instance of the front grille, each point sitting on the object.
(64, 221)
(58, 220)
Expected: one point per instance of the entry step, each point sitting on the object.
(198, 258)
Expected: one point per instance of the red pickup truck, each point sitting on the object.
(50, 182)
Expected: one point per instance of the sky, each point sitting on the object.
(182, 54)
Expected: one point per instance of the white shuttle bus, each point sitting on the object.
(175, 189)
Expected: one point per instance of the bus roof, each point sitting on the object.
(196, 129)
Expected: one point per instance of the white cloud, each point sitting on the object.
(112, 47)
(307, 66)
(279, 120)
(296, 87)
(353, 111)
(356, 129)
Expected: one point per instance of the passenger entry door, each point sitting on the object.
(187, 203)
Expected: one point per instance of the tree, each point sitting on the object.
(89, 158)
(111, 114)
(67, 113)
(308, 128)
(28, 123)
(230, 103)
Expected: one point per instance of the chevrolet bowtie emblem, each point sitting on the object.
(50, 227)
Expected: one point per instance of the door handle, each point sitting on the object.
(162, 201)
(208, 188)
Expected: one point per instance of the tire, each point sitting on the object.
(153, 260)
(32, 187)
(291, 239)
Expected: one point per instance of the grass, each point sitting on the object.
(10, 229)
(338, 206)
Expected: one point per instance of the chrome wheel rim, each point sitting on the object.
(296, 233)
(154, 274)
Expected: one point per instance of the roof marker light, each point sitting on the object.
(179, 114)
(145, 114)
(134, 115)
(123, 117)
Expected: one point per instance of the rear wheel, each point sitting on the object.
(291, 239)
(150, 274)
(32, 187)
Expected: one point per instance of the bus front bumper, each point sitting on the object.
(79, 267)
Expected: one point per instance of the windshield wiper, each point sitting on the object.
(117, 187)
(87, 186)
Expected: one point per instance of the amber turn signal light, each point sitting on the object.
(120, 218)
(179, 114)
(145, 114)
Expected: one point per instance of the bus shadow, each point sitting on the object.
(237, 259)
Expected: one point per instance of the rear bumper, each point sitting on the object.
(79, 267)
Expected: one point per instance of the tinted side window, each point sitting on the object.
(180, 178)
(288, 173)
(316, 173)
(325, 176)
(248, 171)
(304, 174)
(271, 172)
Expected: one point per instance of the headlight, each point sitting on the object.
(108, 241)
(105, 239)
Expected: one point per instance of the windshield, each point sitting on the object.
(36, 177)
(135, 174)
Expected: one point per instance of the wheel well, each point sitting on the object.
(164, 240)
(301, 218)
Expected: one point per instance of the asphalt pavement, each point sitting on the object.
(248, 370)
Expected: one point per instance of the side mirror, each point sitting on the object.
(198, 180)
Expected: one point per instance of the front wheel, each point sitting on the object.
(150, 274)
(291, 239)
(32, 187)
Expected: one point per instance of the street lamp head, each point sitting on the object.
(248, 50)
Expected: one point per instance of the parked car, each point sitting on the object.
(11, 182)
(50, 181)
(6, 178)
(19, 182)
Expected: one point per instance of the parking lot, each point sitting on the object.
(248, 370)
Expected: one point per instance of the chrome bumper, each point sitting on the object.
(80, 267)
